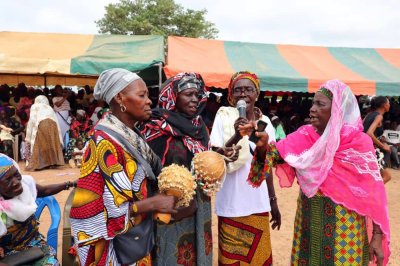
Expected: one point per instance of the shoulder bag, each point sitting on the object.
(25, 257)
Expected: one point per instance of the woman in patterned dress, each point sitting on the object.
(113, 193)
(335, 165)
(245, 205)
(19, 229)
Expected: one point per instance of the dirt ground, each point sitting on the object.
(281, 240)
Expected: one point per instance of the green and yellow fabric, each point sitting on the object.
(73, 56)
(287, 67)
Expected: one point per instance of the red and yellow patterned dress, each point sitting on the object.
(110, 178)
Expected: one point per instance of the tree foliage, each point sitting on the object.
(159, 17)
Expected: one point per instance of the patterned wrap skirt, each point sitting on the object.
(326, 233)
(244, 240)
(187, 242)
(25, 235)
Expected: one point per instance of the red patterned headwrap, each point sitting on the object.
(242, 75)
(171, 87)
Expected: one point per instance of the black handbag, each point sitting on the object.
(25, 257)
(138, 241)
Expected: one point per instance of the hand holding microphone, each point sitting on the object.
(242, 120)
(241, 106)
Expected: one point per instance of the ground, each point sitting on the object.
(281, 240)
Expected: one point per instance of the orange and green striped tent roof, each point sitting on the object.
(73, 55)
(368, 71)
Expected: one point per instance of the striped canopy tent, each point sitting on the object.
(75, 59)
(287, 67)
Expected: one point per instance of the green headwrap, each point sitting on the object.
(326, 92)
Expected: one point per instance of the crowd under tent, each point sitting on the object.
(76, 59)
(368, 71)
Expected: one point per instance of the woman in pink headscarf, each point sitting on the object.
(340, 184)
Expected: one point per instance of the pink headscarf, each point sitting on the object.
(340, 163)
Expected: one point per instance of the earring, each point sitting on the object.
(123, 108)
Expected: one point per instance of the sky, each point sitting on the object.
(340, 23)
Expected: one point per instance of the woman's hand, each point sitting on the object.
(241, 122)
(275, 215)
(375, 249)
(186, 211)
(9, 130)
(232, 153)
(386, 147)
(263, 138)
(163, 203)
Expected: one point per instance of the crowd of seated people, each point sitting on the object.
(78, 112)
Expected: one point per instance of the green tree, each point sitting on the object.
(160, 17)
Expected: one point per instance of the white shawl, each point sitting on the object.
(40, 111)
(21, 207)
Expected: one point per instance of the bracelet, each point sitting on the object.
(273, 198)
(69, 184)
(134, 208)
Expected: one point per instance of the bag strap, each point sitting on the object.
(146, 166)
(63, 118)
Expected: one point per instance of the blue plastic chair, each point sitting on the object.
(55, 213)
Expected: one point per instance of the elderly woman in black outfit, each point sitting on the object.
(176, 132)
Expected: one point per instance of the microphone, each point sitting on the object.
(241, 106)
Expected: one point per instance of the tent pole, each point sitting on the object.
(159, 76)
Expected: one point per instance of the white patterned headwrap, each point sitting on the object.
(111, 82)
(81, 112)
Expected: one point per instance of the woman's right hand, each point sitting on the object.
(263, 138)
(240, 122)
(164, 204)
(386, 147)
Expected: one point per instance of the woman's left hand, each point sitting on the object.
(276, 215)
(186, 211)
(375, 249)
